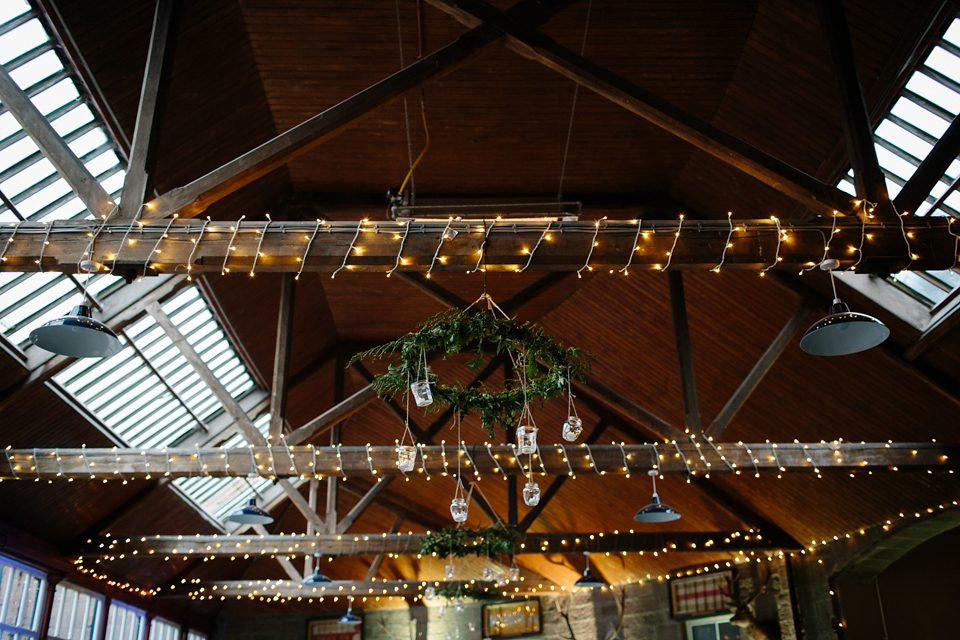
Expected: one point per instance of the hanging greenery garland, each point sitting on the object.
(497, 539)
(474, 593)
(546, 364)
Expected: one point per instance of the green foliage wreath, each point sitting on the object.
(458, 331)
(497, 539)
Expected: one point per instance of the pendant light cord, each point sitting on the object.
(573, 107)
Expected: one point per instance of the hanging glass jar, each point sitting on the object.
(406, 457)
(450, 572)
(514, 574)
(421, 393)
(458, 509)
(531, 494)
(429, 593)
(458, 605)
(526, 439)
(488, 573)
(572, 428)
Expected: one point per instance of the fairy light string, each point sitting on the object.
(403, 240)
(776, 256)
(196, 245)
(727, 244)
(306, 251)
(230, 247)
(350, 249)
(259, 254)
(636, 247)
(156, 246)
(593, 245)
(673, 247)
(535, 247)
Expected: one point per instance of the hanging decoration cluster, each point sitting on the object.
(459, 541)
(547, 366)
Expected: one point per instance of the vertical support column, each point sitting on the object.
(311, 530)
(332, 488)
(104, 618)
(50, 588)
(681, 330)
(281, 360)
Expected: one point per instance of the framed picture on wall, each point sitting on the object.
(332, 629)
(701, 595)
(511, 619)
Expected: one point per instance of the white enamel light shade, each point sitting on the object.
(350, 617)
(76, 335)
(589, 581)
(250, 513)
(843, 332)
(656, 511)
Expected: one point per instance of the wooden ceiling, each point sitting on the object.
(247, 69)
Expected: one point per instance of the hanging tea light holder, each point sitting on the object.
(406, 453)
(420, 389)
(573, 424)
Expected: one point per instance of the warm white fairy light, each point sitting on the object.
(776, 256)
(258, 254)
(403, 240)
(6, 245)
(156, 246)
(863, 237)
(443, 237)
(306, 251)
(535, 247)
(636, 247)
(727, 244)
(906, 238)
(496, 461)
(123, 242)
(196, 245)
(346, 256)
(686, 463)
(486, 234)
(593, 245)
(676, 237)
(230, 246)
(826, 245)
(43, 246)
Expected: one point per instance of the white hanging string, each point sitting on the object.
(593, 244)
(727, 244)
(676, 237)
(423, 460)
(403, 240)
(626, 464)
(722, 457)
(826, 246)
(86, 461)
(230, 246)
(636, 246)
(36, 465)
(6, 245)
(263, 235)
(543, 469)
(156, 247)
(906, 239)
(592, 461)
(476, 472)
(306, 252)
(13, 470)
(370, 460)
(863, 236)
(46, 241)
(684, 458)
(196, 245)
(346, 256)
(566, 458)
(483, 245)
(573, 107)
(496, 462)
(293, 461)
(776, 255)
(443, 236)
(536, 246)
(254, 468)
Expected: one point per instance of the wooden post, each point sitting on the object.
(281, 360)
(681, 332)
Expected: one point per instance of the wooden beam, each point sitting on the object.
(943, 322)
(230, 405)
(283, 246)
(931, 170)
(433, 290)
(378, 560)
(146, 134)
(190, 200)
(368, 498)
(409, 543)
(281, 358)
(534, 290)
(70, 168)
(312, 491)
(759, 370)
(352, 461)
(336, 413)
(735, 506)
(558, 482)
(868, 177)
(532, 44)
(285, 589)
(410, 511)
(282, 560)
(681, 332)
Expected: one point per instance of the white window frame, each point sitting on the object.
(5, 597)
(715, 621)
(99, 618)
(119, 605)
(161, 628)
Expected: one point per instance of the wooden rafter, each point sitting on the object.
(192, 199)
(220, 590)
(681, 332)
(522, 38)
(352, 461)
(282, 247)
(931, 170)
(281, 359)
(146, 134)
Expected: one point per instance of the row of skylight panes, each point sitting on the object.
(147, 394)
(220, 496)
(919, 117)
(30, 182)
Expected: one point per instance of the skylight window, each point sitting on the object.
(919, 117)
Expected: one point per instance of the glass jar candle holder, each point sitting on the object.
(531, 494)
(442, 610)
(429, 593)
(526, 439)
(406, 457)
(422, 394)
(458, 509)
(514, 574)
(572, 428)
(450, 572)
(458, 605)
(487, 573)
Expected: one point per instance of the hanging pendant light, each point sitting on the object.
(349, 617)
(656, 511)
(842, 331)
(589, 581)
(316, 577)
(77, 334)
(250, 513)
